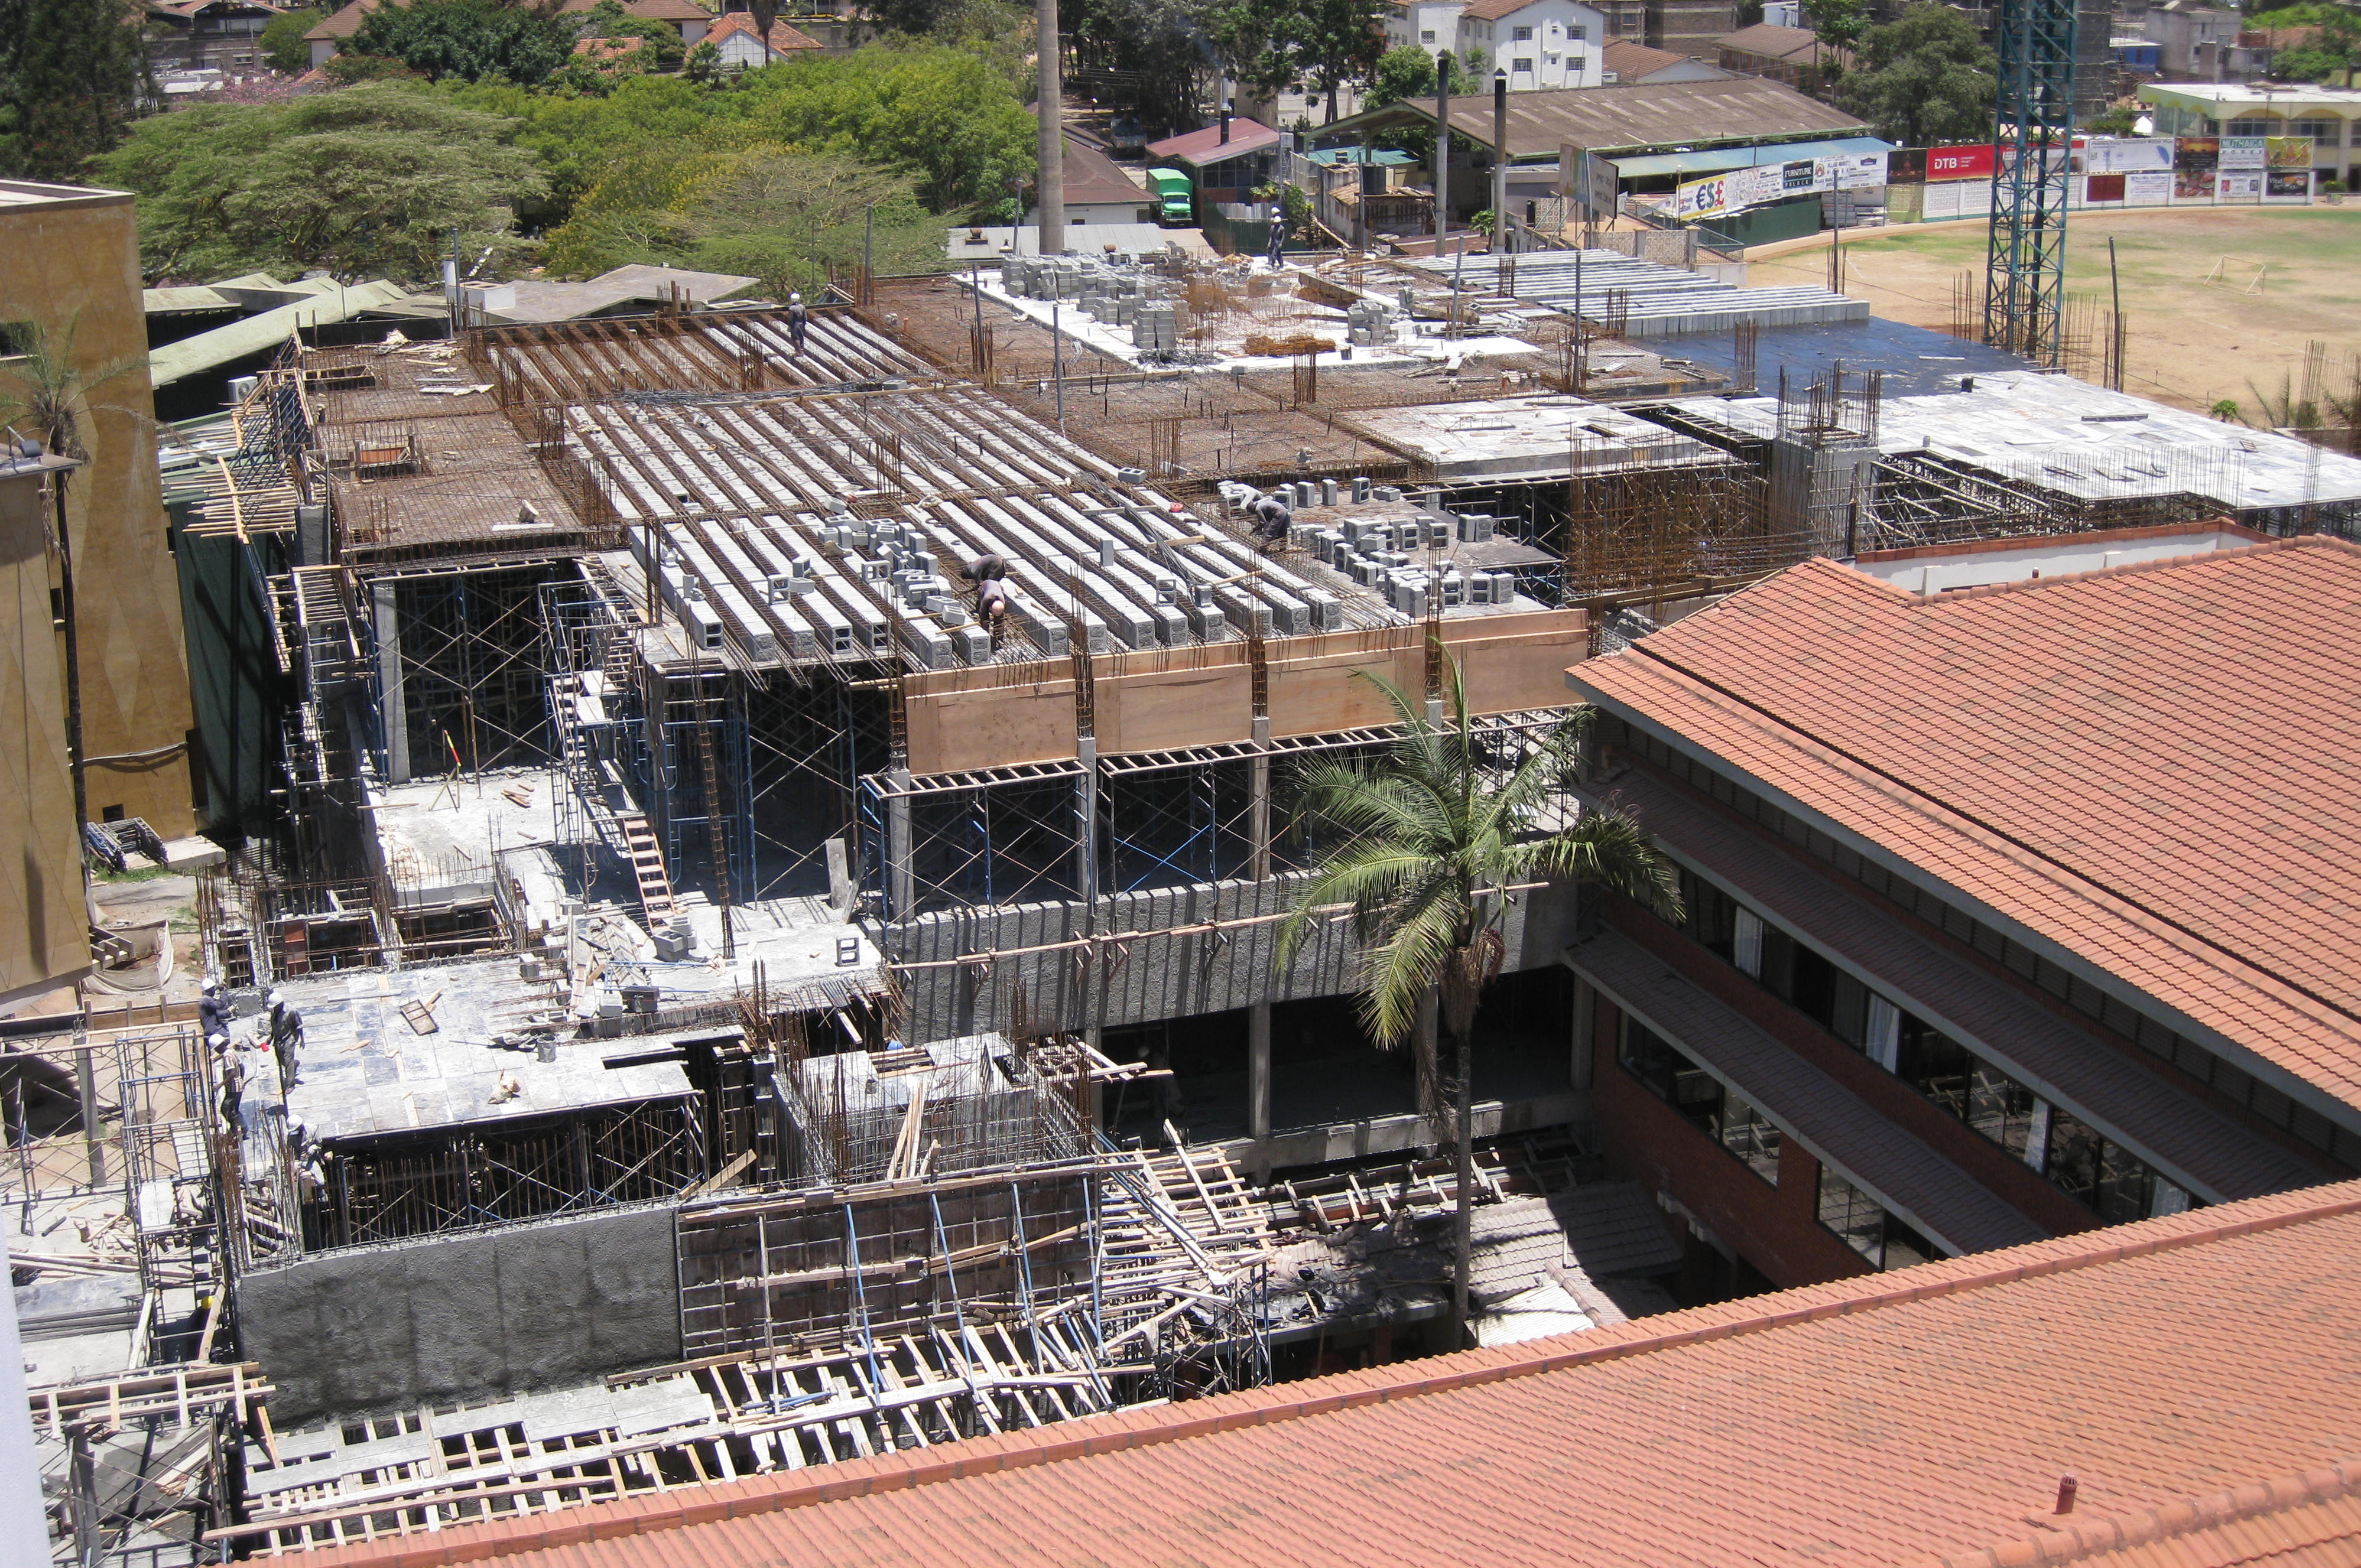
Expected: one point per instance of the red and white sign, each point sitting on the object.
(1974, 161)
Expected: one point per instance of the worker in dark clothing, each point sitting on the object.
(992, 603)
(798, 317)
(1271, 519)
(985, 567)
(286, 1036)
(213, 1011)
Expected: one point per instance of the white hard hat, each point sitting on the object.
(217, 1040)
(211, 985)
(277, 997)
(794, 299)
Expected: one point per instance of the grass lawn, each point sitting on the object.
(2189, 343)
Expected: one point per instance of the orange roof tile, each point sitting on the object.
(784, 38)
(2312, 1520)
(1926, 1412)
(2152, 769)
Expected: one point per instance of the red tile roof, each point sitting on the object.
(1635, 61)
(784, 38)
(1924, 1413)
(1204, 146)
(2312, 1521)
(2153, 769)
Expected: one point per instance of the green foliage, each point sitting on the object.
(1160, 43)
(471, 41)
(364, 182)
(1404, 72)
(1277, 43)
(791, 219)
(1433, 833)
(349, 69)
(73, 76)
(282, 41)
(1925, 78)
(2115, 122)
(1839, 23)
(44, 389)
(662, 50)
(2337, 49)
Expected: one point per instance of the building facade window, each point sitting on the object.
(2102, 1175)
(1728, 1118)
(1864, 1225)
(1521, 35)
(1521, 68)
(2253, 127)
(2102, 1009)
(1579, 33)
(2324, 133)
(1426, 36)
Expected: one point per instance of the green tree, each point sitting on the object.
(944, 114)
(1435, 832)
(366, 182)
(607, 19)
(1924, 79)
(283, 44)
(73, 74)
(1838, 23)
(1327, 42)
(1404, 72)
(1159, 44)
(2335, 49)
(466, 39)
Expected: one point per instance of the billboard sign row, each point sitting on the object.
(1736, 190)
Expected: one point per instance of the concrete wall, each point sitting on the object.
(465, 1317)
(46, 937)
(70, 261)
(1181, 969)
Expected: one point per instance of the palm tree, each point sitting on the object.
(1439, 832)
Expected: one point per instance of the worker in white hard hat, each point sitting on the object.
(212, 1010)
(798, 317)
(286, 1035)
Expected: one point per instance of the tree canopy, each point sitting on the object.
(1326, 43)
(283, 44)
(2333, 48)
(1838, 23)
(471, 41)
(73, 76)
(364, 182)
(1924, 79)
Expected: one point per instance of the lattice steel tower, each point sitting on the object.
(2025, 267)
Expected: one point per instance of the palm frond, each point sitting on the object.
(1397, 973)
(1609, 849)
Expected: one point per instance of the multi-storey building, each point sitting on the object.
(2004, 903)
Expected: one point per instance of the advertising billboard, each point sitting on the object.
(1975, 161)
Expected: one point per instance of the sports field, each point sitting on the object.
(2189, 343)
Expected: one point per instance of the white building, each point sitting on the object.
(1540, 43)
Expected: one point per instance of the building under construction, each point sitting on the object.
(760, 1007)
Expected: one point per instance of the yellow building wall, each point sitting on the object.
(71, 262)
(44, 922)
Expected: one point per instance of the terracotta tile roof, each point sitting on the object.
(784, 38)
(1496, 10)
(1950, 1207)
(1928, 1412)
(608, 48)
(2312, 1521)
(1768, 40)
(2151, 769)
(2135, 1106)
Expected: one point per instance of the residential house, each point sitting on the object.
(2330, 117)
(1097, 190)
(693, 20)
(1540, 43)
(2051, 954)
(1793, 55)
(741, 50)
(2196, 42)
(208, 35)
(1626, 63)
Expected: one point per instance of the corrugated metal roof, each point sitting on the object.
(227, 345)
(1636, 115)
(1714, 159)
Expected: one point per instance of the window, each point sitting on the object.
(2322, 131)
(2252, 127)
(1525, 66)
(1721, 1114)
(1521, 35)
(1426, 36)
(1578, 32)
(1863, 1225)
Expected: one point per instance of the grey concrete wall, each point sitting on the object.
(1180, 971)
(465, 1317)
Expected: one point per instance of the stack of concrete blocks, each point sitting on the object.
(1156, 327)
(1370, 324)
(893, 555)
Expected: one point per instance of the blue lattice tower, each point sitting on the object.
(2025, 267)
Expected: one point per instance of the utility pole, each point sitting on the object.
(869, 254)
(1441, 149)
(1050, 192)
(1500, 163)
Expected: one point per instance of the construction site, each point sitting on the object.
(761, 1007)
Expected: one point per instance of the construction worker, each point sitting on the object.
(229, 1059)
(992, 603)
(212, 1012)
(798, 317)
(986, 566)
(1271, 518)
(286, 1036)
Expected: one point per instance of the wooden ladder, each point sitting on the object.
(647, 865)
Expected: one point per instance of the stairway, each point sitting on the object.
(647, 865)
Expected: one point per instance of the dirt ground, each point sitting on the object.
(2189, 343)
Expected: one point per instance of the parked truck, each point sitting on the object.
(1174, 207)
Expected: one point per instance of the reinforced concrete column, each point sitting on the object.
(394, 710)
(1583, 1063)
(900, 890)
(1086, 880)
(1259, 1012)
